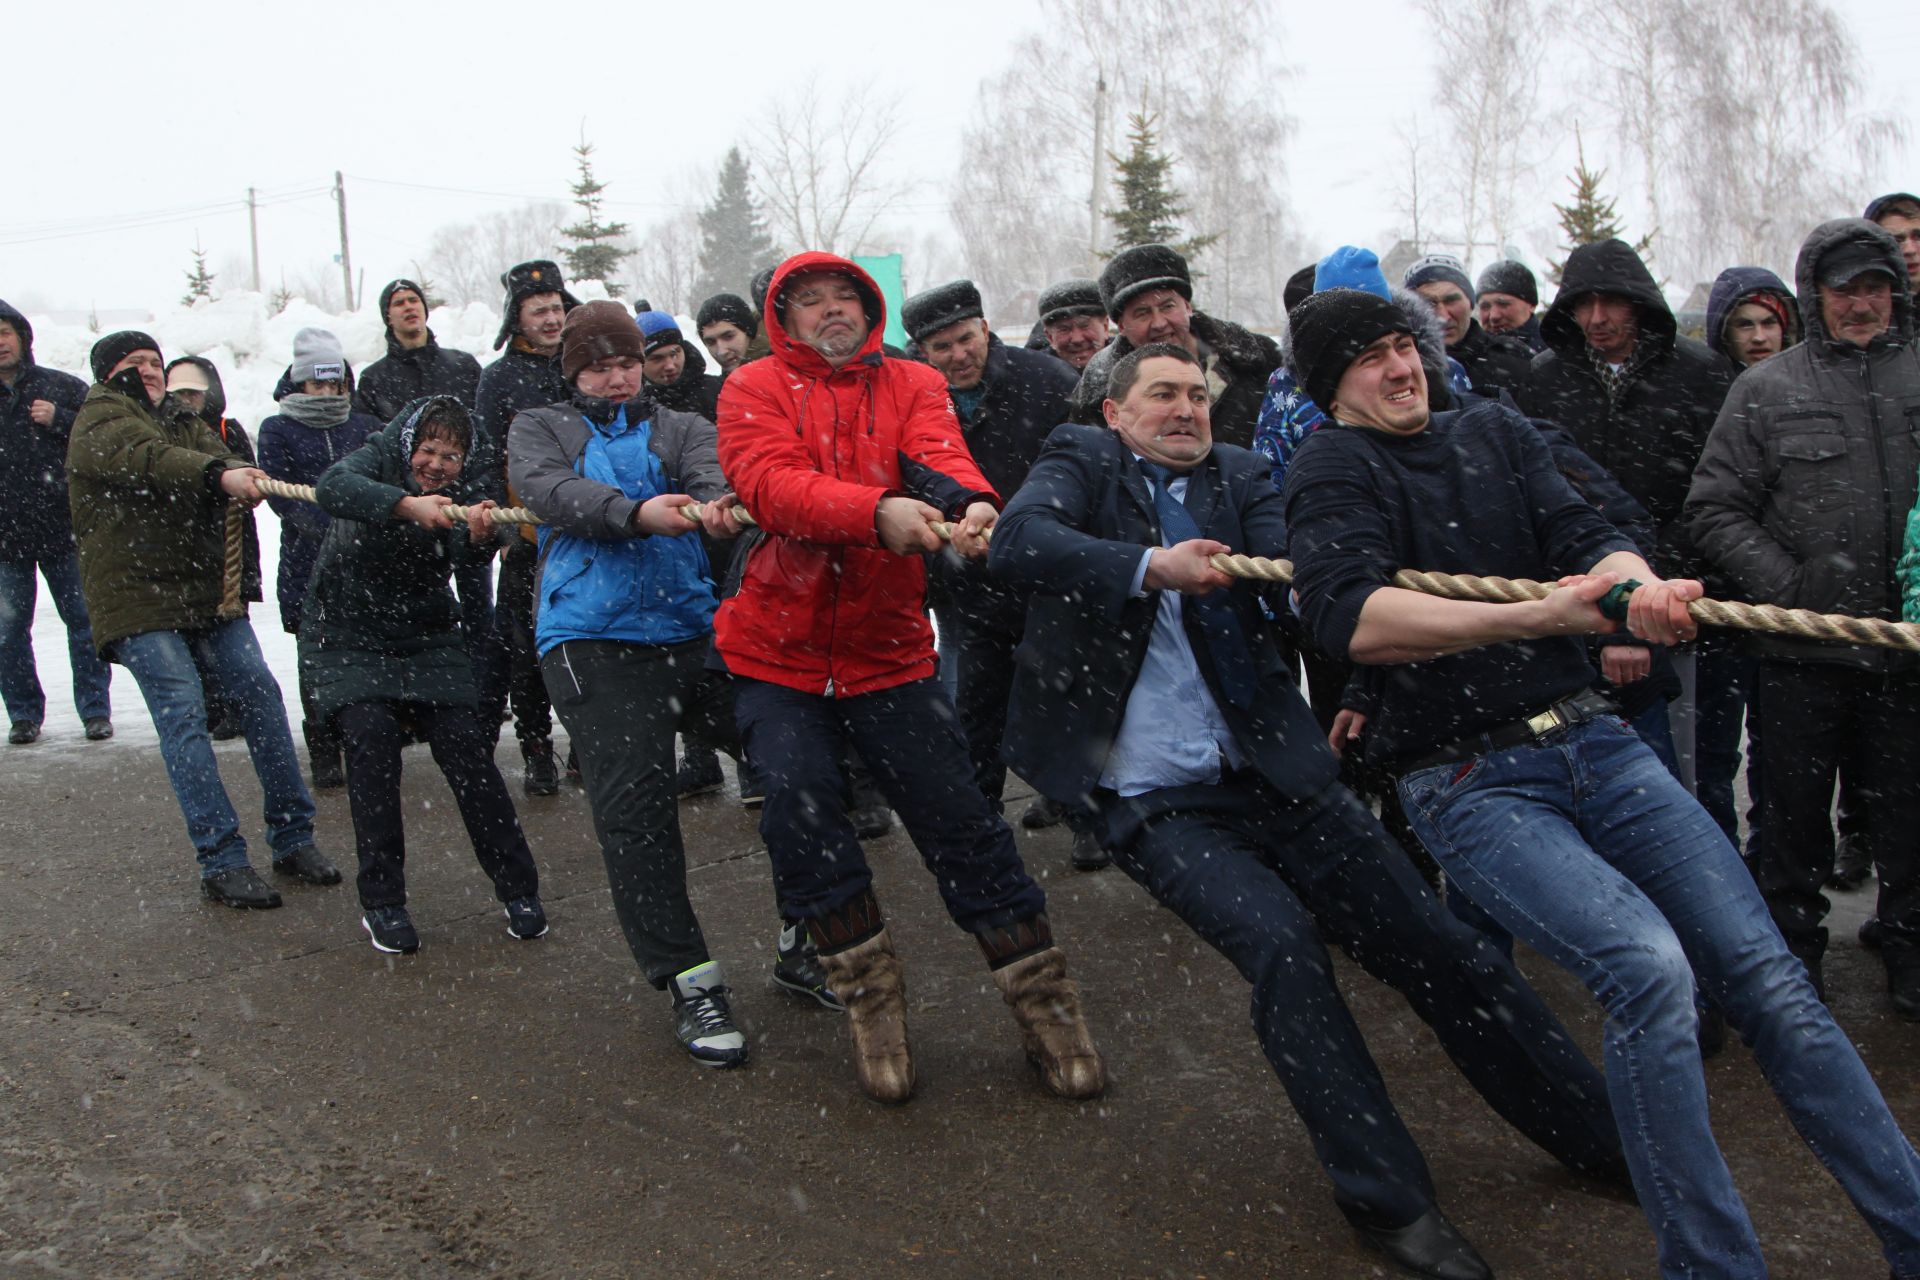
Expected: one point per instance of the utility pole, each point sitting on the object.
(346, 255)
(1099, 165)
(253, 236)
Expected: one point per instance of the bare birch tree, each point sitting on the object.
(467, 259)
(819, 159)
(1488, 54)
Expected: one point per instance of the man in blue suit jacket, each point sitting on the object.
(1150, 690)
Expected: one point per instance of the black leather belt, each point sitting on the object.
(1586, 705)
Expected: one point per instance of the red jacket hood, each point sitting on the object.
(803, 358)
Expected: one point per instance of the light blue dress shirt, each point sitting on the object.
(1172, 733)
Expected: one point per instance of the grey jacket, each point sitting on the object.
(544, 447)
(1802, 493)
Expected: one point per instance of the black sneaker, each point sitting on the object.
(796, 966)
(391, 930)
(239, 887)
(24, 732)
(526, 918)
(307, 864)
(99, 728)
(753, 792)
(702, 1019)
(1043, 813)
(542, 777)
(700, 773)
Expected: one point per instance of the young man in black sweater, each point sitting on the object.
(1537, 800)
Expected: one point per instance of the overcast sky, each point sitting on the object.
(129, 124)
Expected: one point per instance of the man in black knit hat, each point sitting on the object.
(727, 325)
(415, 364)
(526, 376)
(1148, 292)
(1508, 296)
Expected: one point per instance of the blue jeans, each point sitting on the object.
(1590, 851)
(19, 679)
(162, 663)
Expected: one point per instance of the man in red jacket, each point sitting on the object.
(845, 458)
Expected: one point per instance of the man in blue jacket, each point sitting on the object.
(37, 408)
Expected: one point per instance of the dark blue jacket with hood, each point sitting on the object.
(34, 520)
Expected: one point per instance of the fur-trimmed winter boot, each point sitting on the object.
(1032, 976)
(866, 976)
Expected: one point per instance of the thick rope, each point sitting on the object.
(1803, 624)
(233, 602)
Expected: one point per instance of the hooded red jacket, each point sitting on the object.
(811, 450)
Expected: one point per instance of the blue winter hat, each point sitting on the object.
(1351, 267)
(658, 329)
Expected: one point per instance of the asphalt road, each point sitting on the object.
(192, 1091)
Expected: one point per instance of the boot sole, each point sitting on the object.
(239, 904)
(824, 999)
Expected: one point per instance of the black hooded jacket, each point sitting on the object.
(1494, 362)
(519, 380)
(1243, 358)
(404, 375)
(214, 414)
(34, 520)
(1651, 434)
(695, 391)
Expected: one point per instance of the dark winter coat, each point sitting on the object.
(1494, 362)
(1237, 373)
(1736, 285)
(695, 391)
(297, 453)
(811, 450)
(1802, 494)
(519, 380)
(148, 514)
(1027, 394)
(34, 521)
(234, 436)
(1529, 333)
(381, 622)
(402, 376)
(1651, 436)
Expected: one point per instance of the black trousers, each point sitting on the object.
(1819, 720)
(621, 704)
(373, 733)
(1263, 880)
(982, 650)
(909, 738)
(514, 633)
(473, 585)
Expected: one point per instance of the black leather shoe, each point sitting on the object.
(99, 728)
(307, 864)
(1088, 853)
(24, 733)
(1429, 1246)
(239, 887)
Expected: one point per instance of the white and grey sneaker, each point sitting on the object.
(702, 1020)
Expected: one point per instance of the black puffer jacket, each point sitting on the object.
(404, 375)
(1494, 362)
(517, 381)
(1242, 360)
(34, 520)
(1802, 494)
(1026, 398)
(1649, 435)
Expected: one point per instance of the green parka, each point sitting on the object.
(148, 515)
(381, 623)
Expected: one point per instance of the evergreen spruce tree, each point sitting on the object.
(599, 252)
(733, 235)
(1150, 206)
(1591, 217)
(199, 280)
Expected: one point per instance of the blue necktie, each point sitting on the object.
(1225, 646)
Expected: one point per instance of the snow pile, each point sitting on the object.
(251, 347)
